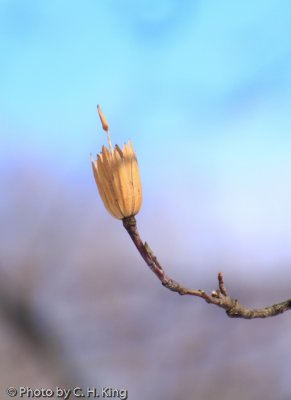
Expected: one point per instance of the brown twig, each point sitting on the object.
(218, 297)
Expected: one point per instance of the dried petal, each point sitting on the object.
(103, 120)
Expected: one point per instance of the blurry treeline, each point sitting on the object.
(79, 307)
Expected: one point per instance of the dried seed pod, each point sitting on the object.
(117, 177)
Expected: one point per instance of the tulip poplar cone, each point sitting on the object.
(117, 177)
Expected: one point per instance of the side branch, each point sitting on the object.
(218, 297)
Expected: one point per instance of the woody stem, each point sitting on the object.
(151, 260)
(129, 224)
(218, 297)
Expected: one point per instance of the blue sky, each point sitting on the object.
(188, 65)
(203, 88)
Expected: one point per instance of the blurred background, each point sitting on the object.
(203, 89)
